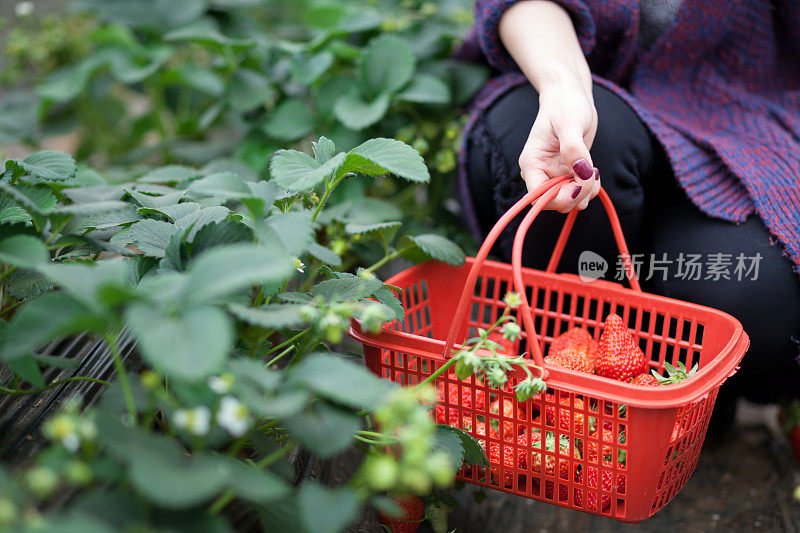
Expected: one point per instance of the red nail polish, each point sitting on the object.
(576, 191)
(583, 169)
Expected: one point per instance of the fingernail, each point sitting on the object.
(576, 191)
(583, 169)
(596, 173)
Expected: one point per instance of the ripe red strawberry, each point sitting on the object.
(593, 447)
(413, 513)
(645, 380)
(478, 431)
(550, 461)
(618, 356)
(570, 360)
(567, 420)
(505, 408)
(577, 339)
(512, 457)
(602, 480)
(453, 400)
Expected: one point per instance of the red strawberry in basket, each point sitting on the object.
(593, 447)
(505, 409)
(512, 456)
(577, 340)
(411, 515)
(560, 463)
(570, 416)
(453, 401)
(571, 360)
(645, 380)
(596, 481)
(618, 356)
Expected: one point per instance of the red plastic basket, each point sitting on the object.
(626, 479)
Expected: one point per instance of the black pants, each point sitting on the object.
(658, 218)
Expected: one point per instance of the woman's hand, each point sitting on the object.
(559, 144)
(540, 37)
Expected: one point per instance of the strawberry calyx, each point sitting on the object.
(675, 374)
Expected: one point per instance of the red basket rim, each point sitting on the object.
(707, 378)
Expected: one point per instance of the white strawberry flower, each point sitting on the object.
(63, 429)
(298, 265)
(23, 9)
(233, 416)
(221, 384)
(196, 421)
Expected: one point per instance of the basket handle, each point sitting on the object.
(539, 197)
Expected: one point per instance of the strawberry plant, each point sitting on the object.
(238, 293)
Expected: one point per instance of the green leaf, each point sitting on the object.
(250, 89)
(447, 441)
(43, 319)
(426, 89)
(388, 298)
(151, 237)
(31, 197)
(325, 430)
(226, 185)
(220, 233)
(189, 346)
(387, 65)
(290, 121)
(383, 156)
(294, 230)
(297, 171)
(340, 381)
(156, 202)
(324, 150)
(327, 510)
(471, 451)
(25, 251)
(13, 214)
(84, 280)
(307, 70)
(365, 229)
(172, 212)
(63, 363)
(26, 283)
(203, 79)
(254, 484)
(430, 246)
(177, 482)
(92, 208)
(26, 368)
(48, 165)
(356, 113)
(203, 31)
(346, 289)
(197, 220)
(274, 316)
(169, 174)
(226, 269)
(326, 255)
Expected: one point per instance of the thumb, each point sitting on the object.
(574, 153)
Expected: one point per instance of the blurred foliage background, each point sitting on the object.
(127, 85)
